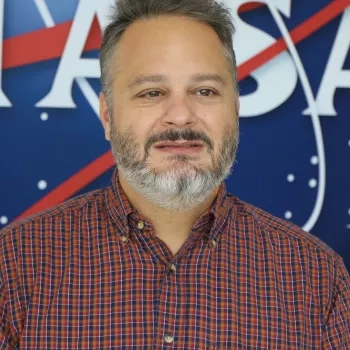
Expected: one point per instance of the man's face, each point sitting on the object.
(173, 128)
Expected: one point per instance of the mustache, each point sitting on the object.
(179, 135)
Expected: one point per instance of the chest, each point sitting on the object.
(209, 299)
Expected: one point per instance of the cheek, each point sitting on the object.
(214, 126)
(217, 114)
(218, 131)
(141, 119)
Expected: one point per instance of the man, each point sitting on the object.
(164, 257)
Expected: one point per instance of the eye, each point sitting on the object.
(151, 94)
(206, 92)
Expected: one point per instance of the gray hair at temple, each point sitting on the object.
(213, 13)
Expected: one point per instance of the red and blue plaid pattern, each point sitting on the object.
(92, 274)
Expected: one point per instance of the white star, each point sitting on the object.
(4, 220)
(288, 215)
(314, 160)
(44, 117)
(42, 185)
(313, 183)
(291, 178)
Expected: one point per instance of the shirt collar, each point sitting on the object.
(124, 215)
(118, 205)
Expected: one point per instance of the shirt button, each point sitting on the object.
(140, 225)
(213, 243)
(168, 338)
(124, 239)
(172, 268)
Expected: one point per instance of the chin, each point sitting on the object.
(178, 167)
(180, 159)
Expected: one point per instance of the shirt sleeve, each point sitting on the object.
(337, 327)
(8, 333)
(6, 339)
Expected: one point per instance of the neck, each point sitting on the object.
(173, 227)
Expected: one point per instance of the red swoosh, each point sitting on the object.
(106, 161)
(49, 43)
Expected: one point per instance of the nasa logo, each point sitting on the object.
(53, 73)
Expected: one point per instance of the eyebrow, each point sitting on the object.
(142, 79)
(202, 77)
(160, 78)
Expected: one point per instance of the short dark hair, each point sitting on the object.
(211, 12)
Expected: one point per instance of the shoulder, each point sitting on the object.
(281, 233)
(52, 219)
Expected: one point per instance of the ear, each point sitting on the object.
(105, 116)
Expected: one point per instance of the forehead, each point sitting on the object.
(170, 44)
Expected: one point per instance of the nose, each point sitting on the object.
(179, 112)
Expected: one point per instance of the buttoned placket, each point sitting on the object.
(165, 314)
(168, 304)
(169, 296)
(169, 290)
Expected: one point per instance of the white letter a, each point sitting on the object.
(72, 65)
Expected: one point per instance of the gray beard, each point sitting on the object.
(183, 185)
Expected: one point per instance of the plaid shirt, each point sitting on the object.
(91, 274)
